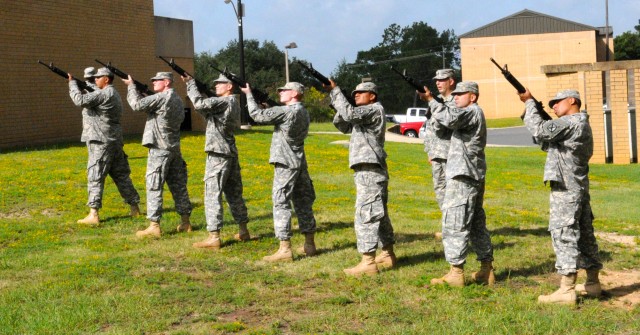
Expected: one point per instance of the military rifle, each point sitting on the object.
(518, 86)
(415, 85)
(260, 96)
(202, 87)
(81, 84)
(140, 87)
(324, 80)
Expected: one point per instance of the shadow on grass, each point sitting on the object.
(547, 266)
(619, 292)
(516, 231)
(420, 258)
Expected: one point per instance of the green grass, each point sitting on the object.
(504, 122)
(57, 277)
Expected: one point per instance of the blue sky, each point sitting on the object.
(327, 31)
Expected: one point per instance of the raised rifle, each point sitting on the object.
(81, 84)
(260, 96)
(516, 84)
(140, 87)
(324, 80)
(202, 87)
(415, 85)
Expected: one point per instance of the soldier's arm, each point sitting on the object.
(544, 131)
(143, 104)
(87, 100)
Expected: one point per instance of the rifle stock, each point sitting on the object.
(140, 87)
(81, 84)
(260, 96)
(202, 87)
(520, 88)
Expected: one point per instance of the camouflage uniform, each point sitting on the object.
(222, 170)
(291, 180)
(463, 216)
(569, 145)
(367, 158)
(162, 136)
(437, 140)
(102, 133)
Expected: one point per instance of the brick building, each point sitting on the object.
(36, 107)
(547, 54)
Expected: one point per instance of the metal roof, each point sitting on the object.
(527, 22)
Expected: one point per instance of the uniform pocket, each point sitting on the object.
(154, 179)
(371, 210)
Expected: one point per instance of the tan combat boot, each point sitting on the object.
(92, 219)
(367, 266)
(387, 258)
(566, 294)
(243, 233)
(152, 231)
(438, 236)
(212, 242)
(134, 210)
(284, 253)
(309, 247)
(454, 278)
(591, 287)
(185, 224)
(485, 276)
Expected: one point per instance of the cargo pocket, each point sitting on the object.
(372, 210)
(154, 179)
(455, 217)
(95, 171)
(563, 210)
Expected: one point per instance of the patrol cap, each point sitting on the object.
(443, 74)
(366, 87)
(103, 72)
(563, 95)
(162, 76)
(292, 85)
(89, 72)
(466, 86)
(222, 79)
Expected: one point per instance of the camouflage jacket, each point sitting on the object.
(101, 113)
(367, 127)
(468, 139)
(223, 119)
(437, 139)
(291, 126)
(165, 113)
(569, 144)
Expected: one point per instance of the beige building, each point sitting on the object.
(35, 106)
(547, 54)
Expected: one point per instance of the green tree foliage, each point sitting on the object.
(627, 45)
(417, 49)
(318, 106)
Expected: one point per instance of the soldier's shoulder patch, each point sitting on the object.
(555, 126)
(270, 113)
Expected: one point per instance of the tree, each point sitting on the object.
(627, 45)
(418, 49)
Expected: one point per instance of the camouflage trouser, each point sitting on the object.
(164, 165)
(292, 186)
(222, 175)
(108, 159)
(438, 167)
(571, 228)
(372, 223)
(464, 220)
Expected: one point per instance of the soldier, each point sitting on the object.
(222, 171)
(463, 218)
(162, 136)
(291, 180)
(569, 145)
(366, 124)
(102, 133)
(437, 138)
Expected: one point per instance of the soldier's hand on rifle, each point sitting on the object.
(186, 78)
(332, 85)
(246, 89)
(426, 96)
(525, 96)
(69, 76)
(128, 81)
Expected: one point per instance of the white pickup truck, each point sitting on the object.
(414, 114)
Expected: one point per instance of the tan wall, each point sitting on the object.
(35, 106)
(524, 54)
(587, 78)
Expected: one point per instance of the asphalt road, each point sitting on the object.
(509, 137)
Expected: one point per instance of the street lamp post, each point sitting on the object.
(291, 45)
(239, 11)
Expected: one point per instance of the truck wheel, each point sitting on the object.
(411, 133)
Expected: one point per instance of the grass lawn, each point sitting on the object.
(58, 277)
